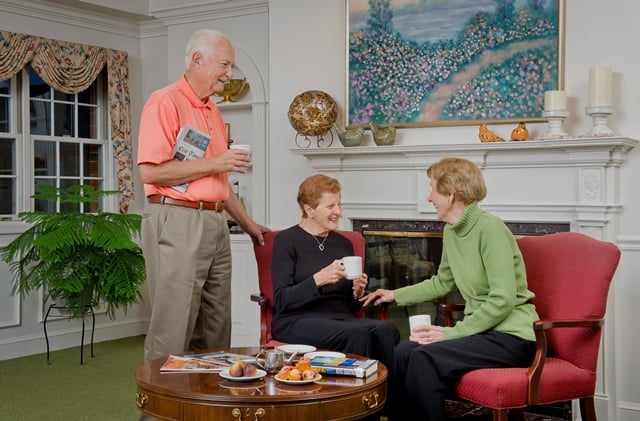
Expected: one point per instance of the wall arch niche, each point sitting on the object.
(247, 117)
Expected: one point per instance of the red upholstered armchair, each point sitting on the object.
(570, 274)
(265, 297)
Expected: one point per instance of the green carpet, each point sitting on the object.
(103, 389)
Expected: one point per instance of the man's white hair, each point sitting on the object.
(203, 41)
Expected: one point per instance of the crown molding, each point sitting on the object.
(118, 23)
(175, 14)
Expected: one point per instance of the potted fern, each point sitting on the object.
(79, 259)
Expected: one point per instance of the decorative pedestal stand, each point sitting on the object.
(600, 116)
(556, 120)
(303, 141)
(87, 310)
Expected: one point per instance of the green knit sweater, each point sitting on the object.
(481, 257)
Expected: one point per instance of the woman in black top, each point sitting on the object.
(314, 303)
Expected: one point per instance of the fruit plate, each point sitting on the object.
(300, 349)
(225, 375)
(296, 382)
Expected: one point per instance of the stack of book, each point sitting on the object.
(344, 366)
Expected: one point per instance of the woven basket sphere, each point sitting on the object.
(313, 113)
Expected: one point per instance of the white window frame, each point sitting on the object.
(20, 131)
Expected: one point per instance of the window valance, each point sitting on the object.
(71, 68)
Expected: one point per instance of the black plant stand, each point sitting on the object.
(87, 309)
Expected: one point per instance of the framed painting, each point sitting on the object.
(452, 62)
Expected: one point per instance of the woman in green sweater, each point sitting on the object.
(481, 258)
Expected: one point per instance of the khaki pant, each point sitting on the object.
(188, 261)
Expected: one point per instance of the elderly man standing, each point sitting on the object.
(185, 238)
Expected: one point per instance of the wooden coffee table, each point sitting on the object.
(207, 396)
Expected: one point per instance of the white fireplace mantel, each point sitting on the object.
(610, 151)
(568, 180)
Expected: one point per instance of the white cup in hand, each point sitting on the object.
(352, 266)
(419, 320)
(241, 146)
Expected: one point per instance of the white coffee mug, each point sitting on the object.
(352, 266)
(241, 146)
(419, 320)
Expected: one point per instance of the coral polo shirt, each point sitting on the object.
(166, 111)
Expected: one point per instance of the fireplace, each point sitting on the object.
(572, 182)
(405, 252)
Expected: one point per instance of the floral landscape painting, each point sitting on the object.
(438, 62)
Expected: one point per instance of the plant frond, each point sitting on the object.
(80, 258)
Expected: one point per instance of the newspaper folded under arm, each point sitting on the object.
(190, 144)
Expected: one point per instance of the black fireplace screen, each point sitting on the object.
(394, 259)
(400, 253)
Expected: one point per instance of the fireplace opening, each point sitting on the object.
(404, 252)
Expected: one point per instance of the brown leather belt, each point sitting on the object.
(164, 200)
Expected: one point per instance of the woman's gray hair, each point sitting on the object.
(460, 177)
(204, 42)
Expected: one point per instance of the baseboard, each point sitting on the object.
(68, 338)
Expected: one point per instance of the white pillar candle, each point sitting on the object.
(600, 87)
(555, 100)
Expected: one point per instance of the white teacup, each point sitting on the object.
(241, 146)
(419, 320)
(352, 266)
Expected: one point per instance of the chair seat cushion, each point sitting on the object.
(503, 388)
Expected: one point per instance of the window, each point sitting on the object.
(61, 139)
(8, 170)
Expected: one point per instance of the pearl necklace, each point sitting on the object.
(320, 243)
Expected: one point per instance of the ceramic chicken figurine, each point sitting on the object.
(383, 135)
(487, 135)
(350, 137)
(520, 132)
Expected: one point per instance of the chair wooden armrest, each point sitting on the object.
(447, 311)
(539, 329)
(263, 302)
(259, 298)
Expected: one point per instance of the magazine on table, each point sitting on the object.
(212, 362)
(177, 364)
(344, 366)
(222, 357)
(190, 144)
